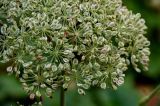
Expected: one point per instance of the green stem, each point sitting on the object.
(144, 100)
(62, 97)
(62, 93)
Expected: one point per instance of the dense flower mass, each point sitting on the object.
(55, 42)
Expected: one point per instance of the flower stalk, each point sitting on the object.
(144, 100)
(62, 97)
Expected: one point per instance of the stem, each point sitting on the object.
(62, 93)
(148, 97)
(62, 97)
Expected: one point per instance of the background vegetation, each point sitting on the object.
(136, 85)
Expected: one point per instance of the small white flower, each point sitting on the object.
(45, 74)
(85, 86)
(38, 93)
(81, 7)
(111, 24)
(32, 96)
(49, 91)
(65, 60)
(75, 61)
(9, 69)
(60, 67)
(42, 85)
(81, 91)
(43, 38)
(65, 85)
(99, 74)
(67, 78)
(120, 81)
(103, 85)
(121, 44)
(54, 68)
(47, 66)
(95, 82)
(106, 49)
(26, 65)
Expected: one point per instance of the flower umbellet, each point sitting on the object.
(89, 42)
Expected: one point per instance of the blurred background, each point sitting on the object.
(136, 86)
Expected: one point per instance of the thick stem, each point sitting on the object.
(62, 97)
(148, 97)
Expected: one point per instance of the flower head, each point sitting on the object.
(91, 42)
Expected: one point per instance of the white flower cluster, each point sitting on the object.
(89, 42)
